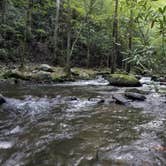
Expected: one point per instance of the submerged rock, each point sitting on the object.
(120, 99)
(2, 100)
(70, 98)
(123, 80)
(97, 100)
(135, 96)
(135, 90)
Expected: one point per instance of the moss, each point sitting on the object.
(58, 75)
(81, 73)
(17, 74)
(123, 80)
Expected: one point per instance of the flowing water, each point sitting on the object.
(42, 125)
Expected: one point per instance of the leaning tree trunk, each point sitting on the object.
(55, 36)
(115, 38)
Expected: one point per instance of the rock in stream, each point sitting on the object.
(2, 100)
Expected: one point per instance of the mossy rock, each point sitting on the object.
(46, 68)
(17, 74)
(57, 78)
(41, 76)
(85, 74)
(123, 80)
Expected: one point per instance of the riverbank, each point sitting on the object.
(43, 73)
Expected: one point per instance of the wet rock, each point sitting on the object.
(135, 96)
(162, 79)
(2, 100)
(160, 148)
(46, 68)
(159, 78)
(123, 80)
(154, 78)
(109, 101)
(138, 77)
(97, 100)
(41, 76)
(70, 98)
(135, 90)
(120, 99)
(163, 83)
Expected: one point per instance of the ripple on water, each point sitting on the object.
(80, 132)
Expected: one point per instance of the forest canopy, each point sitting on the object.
(118, 34)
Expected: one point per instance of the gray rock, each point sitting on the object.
(97, 100)
(42, 75)
(109, 101)
(120, 99)
(45, 67)
(70, 98)
(2, 100)
(135, 96)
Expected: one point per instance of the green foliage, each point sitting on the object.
(95, 19)
(3, 54)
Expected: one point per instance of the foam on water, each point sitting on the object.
(5, 145)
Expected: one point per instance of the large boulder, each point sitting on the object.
(2, 100)
(41, 76)
(46, 68)
(123, 80)
(85, 74)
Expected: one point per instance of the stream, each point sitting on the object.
(65, 125)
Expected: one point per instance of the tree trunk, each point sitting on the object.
(130, 44)
(55, 36)
(88, 12)
(29, 19)
(68, 59)
(27, 33)
(88, 54)
(115, 38)
(3, 11)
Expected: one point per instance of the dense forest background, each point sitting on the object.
(120, 34)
